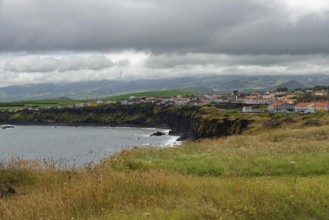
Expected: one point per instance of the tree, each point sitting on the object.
(282, 89)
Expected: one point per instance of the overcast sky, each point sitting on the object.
(77, 40)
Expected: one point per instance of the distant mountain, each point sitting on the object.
(291, 85)
(240, 85)
(201, 84)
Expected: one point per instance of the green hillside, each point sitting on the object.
(160, 93)
(39, 103)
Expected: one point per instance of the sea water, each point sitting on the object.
(75, 146)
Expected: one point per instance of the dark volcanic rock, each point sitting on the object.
(272, 123)
(289, 120)
(185, 137)
(6, 191)
(158, 133)
(313, 123)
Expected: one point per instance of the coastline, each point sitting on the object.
(188, 122)
(262, 177)
(182, 136)
(72, 146)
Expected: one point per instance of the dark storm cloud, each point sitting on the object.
(310, 35)
(196, 26)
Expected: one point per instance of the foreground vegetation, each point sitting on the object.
(265, 173)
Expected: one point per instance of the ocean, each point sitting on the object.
(75, 146)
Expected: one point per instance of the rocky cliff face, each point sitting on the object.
(187, 121)
(218, 127)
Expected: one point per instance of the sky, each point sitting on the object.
(47, 41)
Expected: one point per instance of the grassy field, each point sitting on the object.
(266, 173)
(39, 103)
(160, 93)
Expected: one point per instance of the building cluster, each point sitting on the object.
(273, 102)
(252, 102)
(287, 103)
(301, 107)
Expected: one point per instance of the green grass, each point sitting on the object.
(39, 103)
(160, 93)
(281, 152)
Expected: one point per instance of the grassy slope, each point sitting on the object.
(262, 174)
(39, 103)
(160, 93)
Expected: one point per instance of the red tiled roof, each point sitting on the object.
(322, 104)
(303, 104)
(276, 104)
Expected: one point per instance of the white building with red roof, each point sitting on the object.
(305, 107)
(322, 106)
(311, 107)
(280, 106)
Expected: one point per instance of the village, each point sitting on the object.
(280, 101)
(305, 101)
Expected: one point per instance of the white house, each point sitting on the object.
(305, 107)
(279, 106)
(247, 109)
(322, 106)
(259, 101)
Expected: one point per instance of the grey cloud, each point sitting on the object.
(124, 62)
(172, 61)
(185, 26)
(198, 64)
(310, 35)
(68, 69)
(32, 65)
(50, 64)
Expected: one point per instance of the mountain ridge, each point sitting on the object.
(208, 84)
(292, 84)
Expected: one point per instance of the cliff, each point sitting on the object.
(189, 121)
